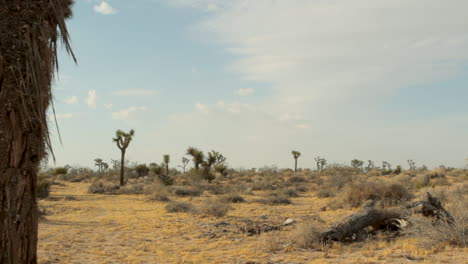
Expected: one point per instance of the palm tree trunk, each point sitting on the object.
(295, 165)
(122, 168)
(20, 150)
(29, 31)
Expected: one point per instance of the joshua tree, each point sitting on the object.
(122, 140)
(105, 166)
(386, 165)
(99, 163)
(370, 165)
(357, 164)
(185, 161)
(167, 159)
(219, 157)
(321, 162)
(412, 164)
(29, 33)
(210, 161)
(197, 156)
(296, 155)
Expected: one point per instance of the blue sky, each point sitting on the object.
(381, 80)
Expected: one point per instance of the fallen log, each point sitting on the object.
(369, 219)
(359, 225)
(432, 207)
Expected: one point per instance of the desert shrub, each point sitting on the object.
(60, 171)
(307, 235)
(337, 178)
(157, 192)
(263, 184)
(215, 208)
(326, 193)
(101, 188)
(296, 179)
(386, 193)
(178, 207)
(43, 185)
(290, 192)
(441, 232)
(131, 189)
(232, 198)
(187, 191)
(218, 189)
(436, 177)
(142, 170)
(275, 199)
(166, 179)
(301, 188)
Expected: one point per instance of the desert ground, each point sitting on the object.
(144, 221)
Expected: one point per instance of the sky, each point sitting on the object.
(381, 80)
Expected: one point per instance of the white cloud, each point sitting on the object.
(302, 125)
(71, 100)
(108, 106)
(127, 114)
(136, 92)
(91, 98)
(346, 53)
(245, 92)
(329, 64)
(105, 9)
(201, 107)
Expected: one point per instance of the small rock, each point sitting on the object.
(288, 221)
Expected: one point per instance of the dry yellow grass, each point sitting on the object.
(129, 229)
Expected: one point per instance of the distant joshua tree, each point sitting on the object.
(412, 164)
(99, 163)
(209, 162)
(167, 159)
(386, 166)
(357, 164)
(370, 165)
(296, 154)
(185, 162)
(197, 157)
(321, 162)
(122, 140)
(219, 158)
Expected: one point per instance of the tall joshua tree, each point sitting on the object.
(296, 154)
(197, 156)
(167, 159)
(122, 140)
(29, 32)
